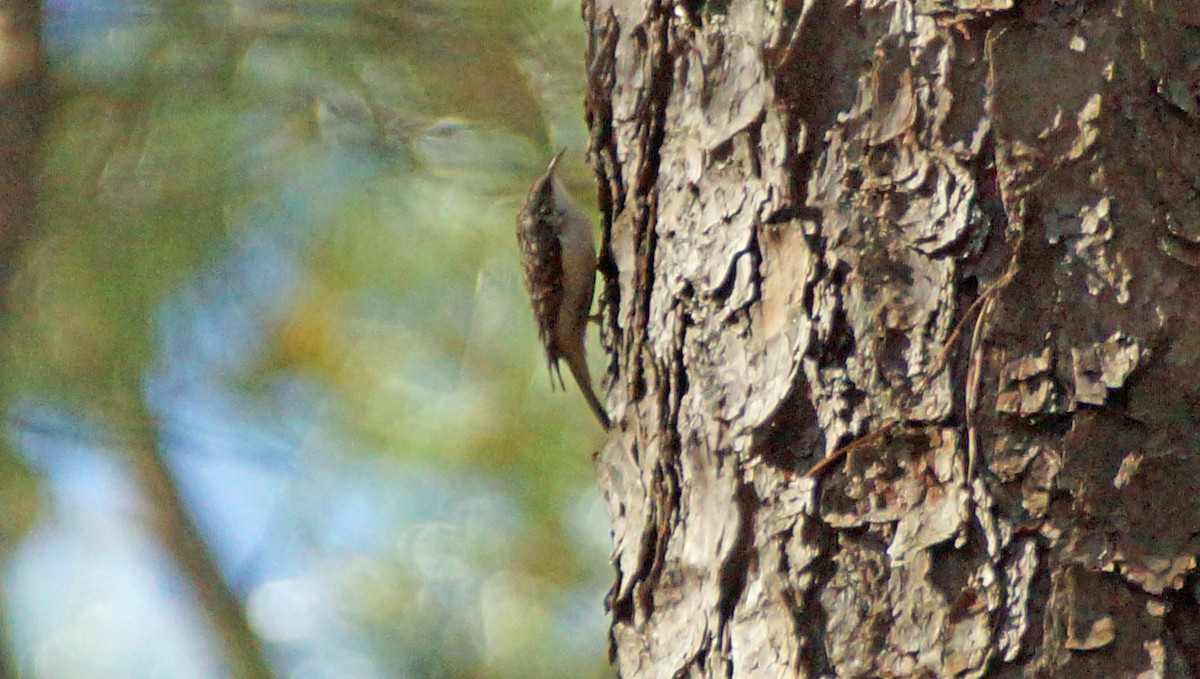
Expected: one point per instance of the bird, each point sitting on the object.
(558, 254)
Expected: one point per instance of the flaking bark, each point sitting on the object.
(953, 244)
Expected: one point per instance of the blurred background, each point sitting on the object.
(274, 401)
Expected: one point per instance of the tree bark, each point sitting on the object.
(898, 300)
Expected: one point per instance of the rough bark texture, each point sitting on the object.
(953, 244)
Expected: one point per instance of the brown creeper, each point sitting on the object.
(559, 256)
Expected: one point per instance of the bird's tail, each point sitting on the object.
(583, 378)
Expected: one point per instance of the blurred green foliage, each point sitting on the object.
(379, 150)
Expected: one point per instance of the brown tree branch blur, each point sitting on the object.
(22, 111)
(22, 114)
(181, 538)
(22, 75)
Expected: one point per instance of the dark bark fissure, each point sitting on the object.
(790, 439)
(1183, 622)
(610, 189)
(809, 617)
(737, 563)
(652, 123)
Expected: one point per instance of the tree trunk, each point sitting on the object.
(903, 348)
